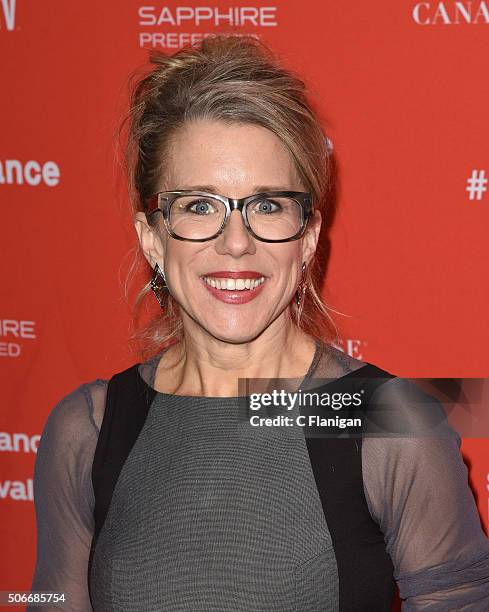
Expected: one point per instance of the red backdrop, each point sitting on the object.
(403, 89)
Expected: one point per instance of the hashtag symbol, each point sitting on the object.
(476, 184)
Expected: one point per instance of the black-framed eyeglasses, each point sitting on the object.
(272, 216)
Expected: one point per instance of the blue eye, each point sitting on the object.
(266, 207)
(201, 207)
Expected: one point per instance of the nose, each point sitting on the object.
(235, 240)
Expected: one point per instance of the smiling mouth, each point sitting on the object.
(233, 284)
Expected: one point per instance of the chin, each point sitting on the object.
(239, 334)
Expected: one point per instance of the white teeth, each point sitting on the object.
(232, 284)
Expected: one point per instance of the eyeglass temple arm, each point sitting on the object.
(152, 204)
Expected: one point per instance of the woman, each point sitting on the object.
(151, 493)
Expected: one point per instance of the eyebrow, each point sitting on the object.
(257, 189)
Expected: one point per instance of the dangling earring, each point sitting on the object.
(158, 284)
(299, 294)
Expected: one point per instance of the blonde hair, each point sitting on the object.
(235, 79)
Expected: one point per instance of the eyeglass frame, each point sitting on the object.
(163, 201)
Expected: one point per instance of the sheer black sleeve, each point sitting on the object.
(417, 490)
(63, 496)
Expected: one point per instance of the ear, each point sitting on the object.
(311, 237)
(149, 239)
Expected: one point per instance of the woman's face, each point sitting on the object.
(237, 161)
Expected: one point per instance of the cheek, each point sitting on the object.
(285, 260)
(181, 258)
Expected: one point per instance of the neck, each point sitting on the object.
(204, 365)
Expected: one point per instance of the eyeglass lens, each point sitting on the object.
(200, 217)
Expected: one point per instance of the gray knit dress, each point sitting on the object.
(208, 515)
